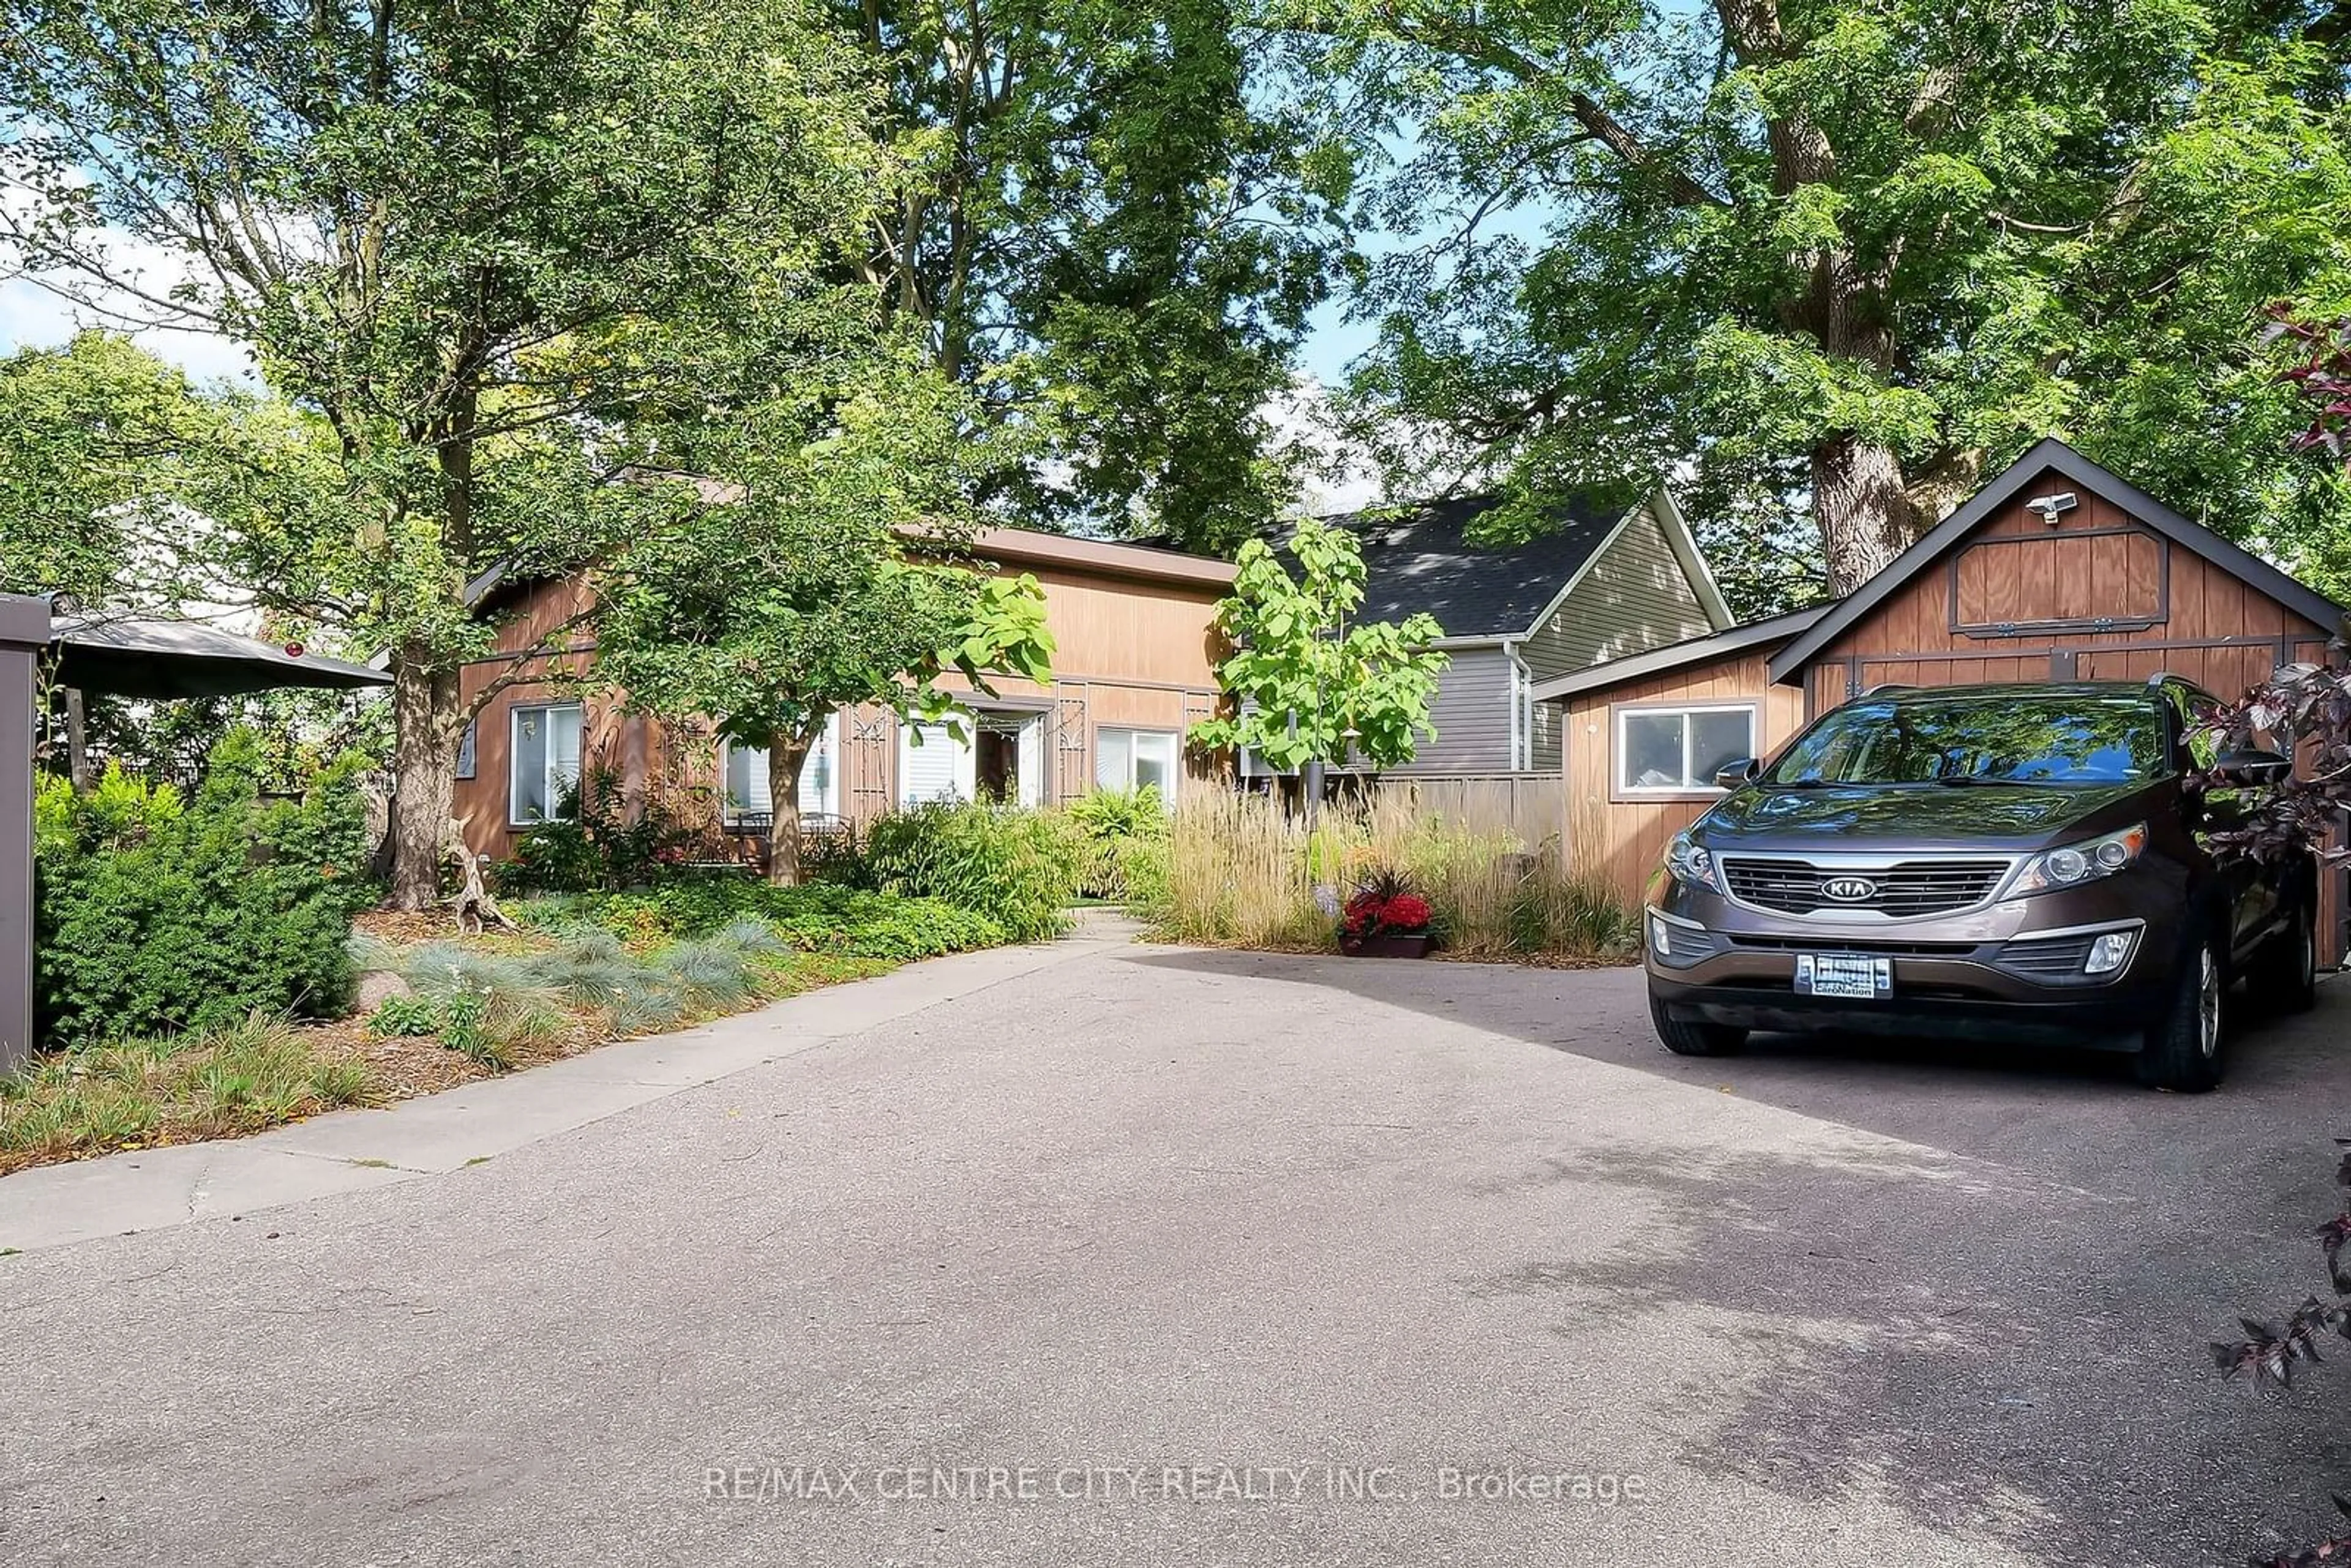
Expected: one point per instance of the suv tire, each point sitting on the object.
(2183, 1044)
(2284, 976)
(1691, 1037)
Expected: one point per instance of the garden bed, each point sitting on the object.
(443, 1009)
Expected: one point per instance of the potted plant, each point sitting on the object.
(1383, 918)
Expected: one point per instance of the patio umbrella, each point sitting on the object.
(138, 658)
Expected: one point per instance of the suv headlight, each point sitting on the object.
(1691, 865)
(2070, 865)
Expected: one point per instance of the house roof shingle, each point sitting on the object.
(1420, 558)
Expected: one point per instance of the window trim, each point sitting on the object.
(514, 724)
(1623, 792)
(1175, 768)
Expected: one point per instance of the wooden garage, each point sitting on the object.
(2057, 569)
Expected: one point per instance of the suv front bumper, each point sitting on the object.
(2004, 971)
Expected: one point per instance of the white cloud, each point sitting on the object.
(43, 311)
(1340, 475)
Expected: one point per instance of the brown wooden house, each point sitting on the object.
(1136, 651)
(2057, 569)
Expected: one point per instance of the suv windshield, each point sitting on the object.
(2014, 739)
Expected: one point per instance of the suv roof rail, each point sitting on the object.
(1890, 686)
(2160, 676)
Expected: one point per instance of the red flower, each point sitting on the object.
(1405, 912)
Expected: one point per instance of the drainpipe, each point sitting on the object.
(23, 638)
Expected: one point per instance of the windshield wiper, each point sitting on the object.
(1806, 784)
(1971, 780)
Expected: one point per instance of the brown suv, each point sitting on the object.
(2016, 862)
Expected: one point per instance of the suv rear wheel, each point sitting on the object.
(1689, 1036)
(2183, 1050)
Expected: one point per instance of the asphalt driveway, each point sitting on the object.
(1166, 1257)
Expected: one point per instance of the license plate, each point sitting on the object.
(1844, 974)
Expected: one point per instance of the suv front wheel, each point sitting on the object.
(2183, 1050)
(1691, 1037)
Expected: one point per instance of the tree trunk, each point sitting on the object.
(424, 773)
(787, 756)
(1864, 514)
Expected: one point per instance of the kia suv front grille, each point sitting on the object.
(1906, 889)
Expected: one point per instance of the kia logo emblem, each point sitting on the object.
(1849, 889)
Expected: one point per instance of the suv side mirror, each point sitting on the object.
(1731, 775)
(2252, 766)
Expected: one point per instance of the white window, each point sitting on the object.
(750, 793)
(1676, 750)
(466, 749)
(936, 764)
(543, 763)
(1132, 758)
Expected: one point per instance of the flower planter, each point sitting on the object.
(1387, 944)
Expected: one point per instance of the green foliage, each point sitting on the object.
(1829, 265)
(594, 840)
(492, 1004)
(1114, 821)
(483, 254)
(94, 440)
(1117, 240)
(797, 592)
(239, 1078)
(814, 918)
(1018, 868)
(156, 913)
(405, 1016)
(465, 1029)
(1304, 685)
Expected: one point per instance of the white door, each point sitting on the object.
(942, 767)
(1032, 762)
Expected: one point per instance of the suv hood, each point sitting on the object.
(1914, 816)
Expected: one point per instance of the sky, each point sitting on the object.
(34, 317)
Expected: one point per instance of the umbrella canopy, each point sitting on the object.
(133, 658)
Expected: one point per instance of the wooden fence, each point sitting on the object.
(1533, 805)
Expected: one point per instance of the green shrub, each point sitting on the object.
(1144, 866)
(404, 1016)
(595, 840)
(1020, 868)
(816, 918)
(1111, 821)
(156, 912)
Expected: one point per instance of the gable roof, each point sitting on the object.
(1419, 558)
(2052, 455)
(1677, 655)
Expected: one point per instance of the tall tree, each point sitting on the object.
(823, 571)
(97, 441)
(466, 240)
(1839, 258)
(1108, 232)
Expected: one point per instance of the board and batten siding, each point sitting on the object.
(1634, 597)
(1637, 596)
(2018, 600)
(1472, 713)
